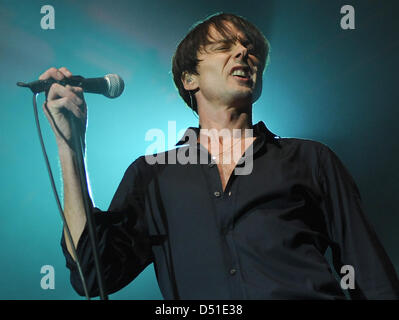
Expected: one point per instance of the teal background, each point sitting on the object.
(323, 83)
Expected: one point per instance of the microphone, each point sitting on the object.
(110, 85)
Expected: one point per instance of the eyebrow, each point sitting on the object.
(224, 41)
(244, 41)
(231, 40)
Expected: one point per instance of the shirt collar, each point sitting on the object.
(260, 130)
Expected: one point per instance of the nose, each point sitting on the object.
(241, 51)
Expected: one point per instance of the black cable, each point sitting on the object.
(79, 150)
(78, 147)
(68, 233)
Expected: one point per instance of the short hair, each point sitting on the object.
(186, 59)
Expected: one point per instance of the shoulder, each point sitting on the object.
(305, 147)
(139, 169)
(148, 165)
(311, 153)
(319, 155)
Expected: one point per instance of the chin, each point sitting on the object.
(242, 99)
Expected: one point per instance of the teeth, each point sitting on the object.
(239, 72)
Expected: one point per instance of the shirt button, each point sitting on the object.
(233, 271)
(229, 193)
(217, 194)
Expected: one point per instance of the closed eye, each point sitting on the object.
(226, 45)
(223, 46)
(251, 48)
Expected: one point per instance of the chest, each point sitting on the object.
(274, 188)
(227, 161)
(225, 171)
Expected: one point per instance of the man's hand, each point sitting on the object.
(61, 102)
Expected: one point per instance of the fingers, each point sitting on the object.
(51, 73)
(77, 90)
(61, 97)
(57, 74)
(65, 103)
(58, 91)
(70, 98)
(65, 72)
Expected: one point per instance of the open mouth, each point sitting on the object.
(241, 73)
(242, 78)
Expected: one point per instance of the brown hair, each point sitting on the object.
(185, 58)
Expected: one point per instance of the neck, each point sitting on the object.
(223, 126)
(223, 129)
(225, 118)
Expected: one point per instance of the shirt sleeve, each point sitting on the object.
(354, 241)
(124, 246)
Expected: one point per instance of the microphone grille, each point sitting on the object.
(115, 85)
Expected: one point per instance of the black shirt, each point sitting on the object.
(263, 237)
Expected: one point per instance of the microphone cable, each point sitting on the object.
(53, 187)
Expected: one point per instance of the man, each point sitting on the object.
(212, 233)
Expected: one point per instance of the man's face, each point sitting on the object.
(229, 72)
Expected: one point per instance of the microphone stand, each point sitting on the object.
(78, 146)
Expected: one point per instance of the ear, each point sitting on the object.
(189, 81)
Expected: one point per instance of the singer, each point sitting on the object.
(212, 233)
